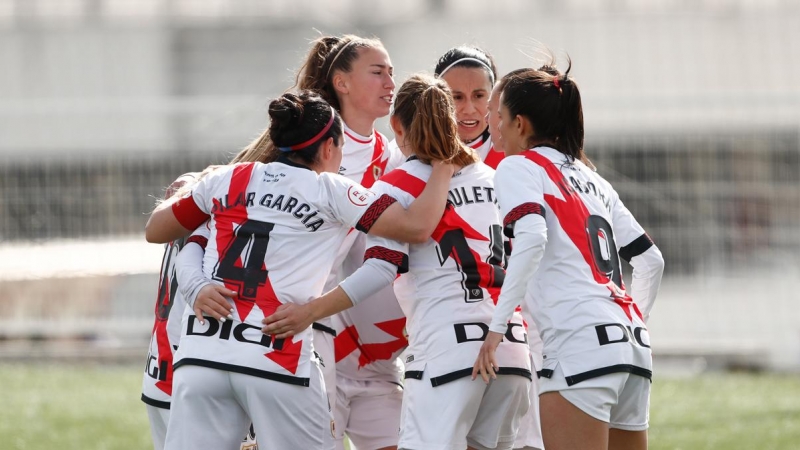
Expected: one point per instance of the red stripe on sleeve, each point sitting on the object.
(403, 180)
(188, 214)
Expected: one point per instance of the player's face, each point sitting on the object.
(471, 87)
(369, 86)
(493, 119)
(509, 130)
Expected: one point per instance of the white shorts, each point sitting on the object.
(212, 408)
(621, 399)
(368, 412)
(159, 418)
(323, 345)
(529, 436)
(462, 412)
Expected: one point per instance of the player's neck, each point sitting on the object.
(359, 123)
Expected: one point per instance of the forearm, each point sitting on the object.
(529, 244)
(648, 268)
(329, 304)
(189, 272)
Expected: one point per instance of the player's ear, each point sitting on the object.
(327, 151)
(394, 122)
(523, 128)
(339, 83)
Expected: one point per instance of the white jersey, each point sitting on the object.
(448, 286)
(483, 145)
(369, 336)
(275, 229)
(589, 324)
(157, 380)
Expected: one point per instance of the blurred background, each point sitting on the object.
(692, 111)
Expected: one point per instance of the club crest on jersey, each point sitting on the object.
(359, 195)
(376, 172)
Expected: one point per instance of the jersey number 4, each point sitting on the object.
(249, 245)
(476, 274)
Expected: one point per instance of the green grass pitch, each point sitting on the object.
(69, 407)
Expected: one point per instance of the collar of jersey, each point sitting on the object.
(284, 159)
(357, 137)
(478, 141)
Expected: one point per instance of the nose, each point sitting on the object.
(389, 82)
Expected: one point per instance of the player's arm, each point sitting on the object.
(416, 223)
(292, 318)
(181, 213)
(520, 196)
(203, 296)
(642, 254)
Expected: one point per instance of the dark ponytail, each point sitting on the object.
(551, 101)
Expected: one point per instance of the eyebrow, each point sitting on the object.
(382, 66)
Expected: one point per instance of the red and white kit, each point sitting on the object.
(483, 145)
(369, 336)
(589, 323)
(275, 229)
(447, 289)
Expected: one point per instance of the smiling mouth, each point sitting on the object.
(468, 123)
(388, 98)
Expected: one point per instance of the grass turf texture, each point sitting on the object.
(69, 407)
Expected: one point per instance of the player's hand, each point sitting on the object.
(212, 300)
(446, 166)
(486, 364)
(288, 320)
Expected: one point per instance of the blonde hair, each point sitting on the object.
(425, 108)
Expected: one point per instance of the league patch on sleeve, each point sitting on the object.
(359, 196)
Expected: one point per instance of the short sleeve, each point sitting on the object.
(520, 191)
(353, 204)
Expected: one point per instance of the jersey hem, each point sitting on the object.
(452, 376)
(297, 381)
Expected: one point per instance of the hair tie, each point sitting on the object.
(458, 61)
(556, 83)
(314, 139)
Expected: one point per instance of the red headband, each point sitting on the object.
(314, 139)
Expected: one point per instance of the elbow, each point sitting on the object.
(152, 235)
(419, 235)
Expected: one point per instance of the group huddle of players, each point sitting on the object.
(480, 245)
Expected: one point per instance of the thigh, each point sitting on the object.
(286, 415)
(504, 403)
(375, 415)
(632, 411)
(566, 427)
(529, 436)
(204, 411)
(159, 418)
(434, 418)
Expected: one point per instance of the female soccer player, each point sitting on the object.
(471, 73)
(445, 288)
(529, 436)
(275, 229)
(569, 228)
(362, 370)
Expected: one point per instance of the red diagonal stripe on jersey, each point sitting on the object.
(162, 339)
(345, 342)
(227, 222)
(573, 215)
(401, 179)
(493, 158)
(378, 165)
(385, 351)
(288, 356)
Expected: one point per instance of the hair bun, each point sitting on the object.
(285, 112)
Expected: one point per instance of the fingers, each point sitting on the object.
(212, 301)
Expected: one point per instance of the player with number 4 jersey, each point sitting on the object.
(274, 231)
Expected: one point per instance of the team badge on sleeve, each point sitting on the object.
(359, 196)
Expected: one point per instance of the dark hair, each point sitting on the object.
(552, 103)
(327, 55)
(424, 105)
(297, 118)
(453, 56)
